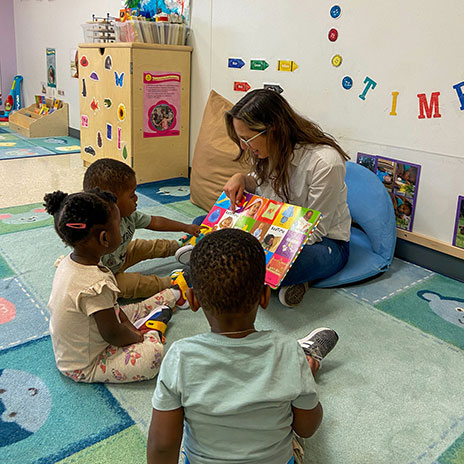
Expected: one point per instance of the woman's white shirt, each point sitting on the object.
(317, 181)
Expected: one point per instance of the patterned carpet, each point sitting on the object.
(390, 389)
(14, 145)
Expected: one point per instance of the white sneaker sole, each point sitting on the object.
(298, 291)
(183, 254)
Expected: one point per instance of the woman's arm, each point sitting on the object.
(324, 194)
(114, 332)
(165, 436)
(235, 187)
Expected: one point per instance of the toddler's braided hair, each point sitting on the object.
(228, 269)
(75, 214)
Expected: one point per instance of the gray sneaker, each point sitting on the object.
(183, 254)
(319, 343)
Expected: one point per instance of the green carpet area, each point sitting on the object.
(390, 389)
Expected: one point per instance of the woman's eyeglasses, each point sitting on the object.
(247, 142)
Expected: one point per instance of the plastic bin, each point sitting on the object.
(170, 33)
(151, 32)
(99, 32)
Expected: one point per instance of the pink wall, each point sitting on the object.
(7, 46)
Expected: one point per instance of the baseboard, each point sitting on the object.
(75, 133)
(429, 258)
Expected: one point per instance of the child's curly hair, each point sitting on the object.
(76, 214)
(228, 268)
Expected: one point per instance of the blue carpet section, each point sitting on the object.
(22, 317)
(166, 191)
(38, 404)
(57, 145)
(14, 145)
(436, 306)
(454, 454)
(5, 269)
(24, 151)
(399, 278)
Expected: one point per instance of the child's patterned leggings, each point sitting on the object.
(140, 361)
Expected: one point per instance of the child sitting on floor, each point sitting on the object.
(94, 340)
(235, 394)
(119, 179)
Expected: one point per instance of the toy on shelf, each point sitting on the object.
(13, 101)
(47, 117)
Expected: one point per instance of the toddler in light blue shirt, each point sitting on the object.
(235, 394)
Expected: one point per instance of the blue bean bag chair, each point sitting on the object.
(372, 244)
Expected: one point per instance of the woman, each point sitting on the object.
(292, 160)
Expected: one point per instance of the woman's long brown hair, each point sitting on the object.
(263, 109)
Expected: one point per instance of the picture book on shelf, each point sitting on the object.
(401, 179)
(281, 228)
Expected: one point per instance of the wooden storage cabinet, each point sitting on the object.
(124, 89)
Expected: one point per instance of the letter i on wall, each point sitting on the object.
(394, 101)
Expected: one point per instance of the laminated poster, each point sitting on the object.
(51, 67)
(161, 104)
(281, 228)
(401, 179)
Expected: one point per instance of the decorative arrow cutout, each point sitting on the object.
(236, 63)
(242, 86)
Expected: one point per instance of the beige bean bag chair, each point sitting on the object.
(213, 159)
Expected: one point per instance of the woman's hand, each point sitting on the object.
(234, 189)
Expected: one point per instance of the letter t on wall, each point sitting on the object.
(369, 83)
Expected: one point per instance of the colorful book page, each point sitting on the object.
(281, 228)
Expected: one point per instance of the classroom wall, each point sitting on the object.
(7, 47)
(53, 24)
(406, 47)
(396, 46)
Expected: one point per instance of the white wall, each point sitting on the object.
(53, 24)
(407, 47)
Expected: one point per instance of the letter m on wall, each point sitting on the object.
(428, 109)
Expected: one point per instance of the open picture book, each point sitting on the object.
(281, 228)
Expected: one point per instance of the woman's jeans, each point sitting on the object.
(315, 262)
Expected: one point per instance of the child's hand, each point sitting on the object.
(193, 229)
(133, 329)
